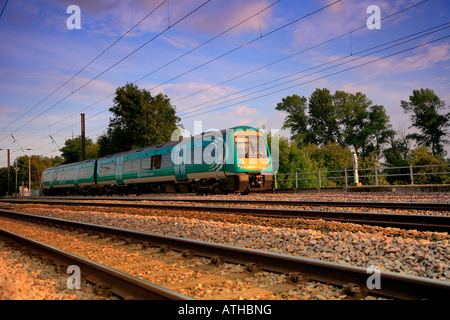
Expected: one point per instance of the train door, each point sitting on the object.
(75, 176)
(119, 170)
(180, 164)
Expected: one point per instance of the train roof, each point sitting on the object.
(62, 166)
(167, 144)
(145, 149)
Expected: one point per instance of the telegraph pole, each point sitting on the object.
(83, 141)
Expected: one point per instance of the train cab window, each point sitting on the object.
(252, 146)
(241, 146)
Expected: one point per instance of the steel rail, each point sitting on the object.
(385, 205)
(393, 285)
(117, 282)
(403, 221)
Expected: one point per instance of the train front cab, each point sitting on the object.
(250, 161)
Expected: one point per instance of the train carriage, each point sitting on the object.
(230, 160)
(67, 178)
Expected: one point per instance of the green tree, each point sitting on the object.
(71, 152)
(296, 119)
(331, 157)
(343, 118)
(323, 118)
(398, 155)
(292, 160)
(422, 157)
(425, 106)
(353, 115)
(38, 164)
(379, 128)
(139, 120)
(367, 167)
(364, 126)
(4, 180)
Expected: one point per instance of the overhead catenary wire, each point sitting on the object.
(244, 44)
(303, 50)
(415, 35)
(325, 76)
(223, 55)
(107, 110)
(115, 64)
(87, 65)
(297, 53)
(3, 9)
(290, 56)
(206, 42)
(397, 42)
(235, 49)
(170, 62)
(279, 28)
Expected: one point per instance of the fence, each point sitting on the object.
(370, 176)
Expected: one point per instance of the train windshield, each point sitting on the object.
(251, 146)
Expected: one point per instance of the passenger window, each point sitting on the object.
(136, 165)
(156, 162)
(146, 164)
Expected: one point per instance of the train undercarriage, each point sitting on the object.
(241, 183)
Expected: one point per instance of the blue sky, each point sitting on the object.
(227, 63)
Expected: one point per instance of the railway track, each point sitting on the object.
(354, 204)
(298, 270)
(404, 221)
(116, 282)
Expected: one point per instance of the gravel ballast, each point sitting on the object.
(24, 277)
(424, 254)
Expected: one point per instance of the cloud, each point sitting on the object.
(339, 19)
(108, 17)
(114, 17)
(225, 14)
(244, 122)
(179, 42)
(6, 110)
(244, 110)
(192, 95)
(422, 58)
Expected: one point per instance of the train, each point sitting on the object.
(233, 160)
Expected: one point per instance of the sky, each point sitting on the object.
(222, 63)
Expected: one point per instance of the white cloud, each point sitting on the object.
(244, 110)
(225, 14)
(340, 18)
(420, 59)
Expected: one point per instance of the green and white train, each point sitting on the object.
(229, 160)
